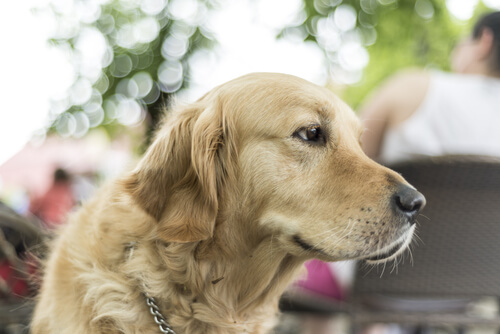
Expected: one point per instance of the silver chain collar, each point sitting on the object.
(159, 318)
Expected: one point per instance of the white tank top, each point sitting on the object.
(460, 114)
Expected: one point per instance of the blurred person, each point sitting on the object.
(419, 113)
(430, 113)
(55, 204)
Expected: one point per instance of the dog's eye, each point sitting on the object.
(312, 134)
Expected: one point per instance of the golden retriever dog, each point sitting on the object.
(235, 193)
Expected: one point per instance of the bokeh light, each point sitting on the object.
(493, 4)
(66, 125)
(462, 9)
(290, 13)
(95, 114)
(81, 91)
(129, 112)
(127, 53)
(123, 54)
(345, 17)
(424, 9)
(153, 7)
(120, 60)
(144, 84)
(170, 75)
(353, 56)
(344, 43)
(82, 124)
(174, 47)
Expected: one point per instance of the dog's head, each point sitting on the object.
(283, 155)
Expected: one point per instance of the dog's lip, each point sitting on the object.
(306, 246)
(393, 250)
(386, 255)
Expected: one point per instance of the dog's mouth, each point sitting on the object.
(392, 251)
(307, 247)
(382, 255)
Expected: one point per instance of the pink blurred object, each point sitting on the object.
(33, 167)
(55, 204)
(320, 280)
(16, 283)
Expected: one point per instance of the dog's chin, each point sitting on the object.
(392, 251)
(382, 255)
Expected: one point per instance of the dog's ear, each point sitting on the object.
(178, 180)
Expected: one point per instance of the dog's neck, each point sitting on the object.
(214, 288)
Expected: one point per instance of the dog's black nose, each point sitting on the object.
(409, 202)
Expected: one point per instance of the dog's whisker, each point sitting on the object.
(329, 231)
(330, 235)
(421, 215)
(220, 214)
(411, 255)
(383, 269)
(416, 239)
(343, 234)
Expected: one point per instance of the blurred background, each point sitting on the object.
(84, 82)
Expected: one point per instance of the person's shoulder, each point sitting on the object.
(407, 85)
(411, 77)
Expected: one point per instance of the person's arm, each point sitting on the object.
(391, 104)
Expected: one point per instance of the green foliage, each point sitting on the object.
(139, 72)
(395, 34)
(409, 33)
(406, 39)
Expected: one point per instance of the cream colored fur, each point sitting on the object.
(211, 221)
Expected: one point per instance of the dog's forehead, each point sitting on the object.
(265, 100)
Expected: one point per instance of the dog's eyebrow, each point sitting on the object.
(326, 116)
(325, 113)
(321, 115)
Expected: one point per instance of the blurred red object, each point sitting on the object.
(17, 284)
(55, 204)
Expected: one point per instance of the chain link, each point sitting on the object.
(159, 318)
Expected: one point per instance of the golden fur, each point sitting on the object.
(220, 214)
